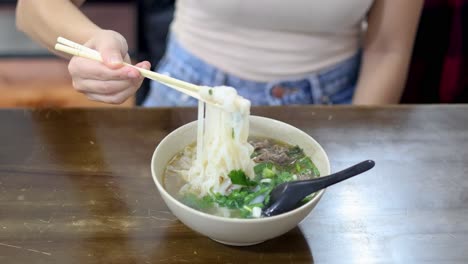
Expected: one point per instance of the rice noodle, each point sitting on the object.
(221, 142)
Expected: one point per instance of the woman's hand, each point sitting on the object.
(111, 81)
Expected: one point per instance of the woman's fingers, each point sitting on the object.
(111, 91)
(117, 98)
(102, 87)
(88, 69)
(144, 64)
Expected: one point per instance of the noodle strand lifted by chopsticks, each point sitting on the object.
(222, 144)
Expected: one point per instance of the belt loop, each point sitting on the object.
(316, 89)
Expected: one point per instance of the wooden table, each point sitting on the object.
(75, 187)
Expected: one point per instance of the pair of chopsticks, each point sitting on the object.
(75, 49)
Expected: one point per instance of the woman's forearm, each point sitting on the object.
(382, 78)
(44, 21)
(387, 51)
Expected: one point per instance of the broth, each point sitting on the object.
(275, 162)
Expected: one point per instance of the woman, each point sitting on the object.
(273, 53)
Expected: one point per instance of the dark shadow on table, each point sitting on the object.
(291, 247)
(191, 247)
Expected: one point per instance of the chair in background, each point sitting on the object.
(439, 66)
(154, 18)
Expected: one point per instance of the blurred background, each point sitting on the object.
(30, 76)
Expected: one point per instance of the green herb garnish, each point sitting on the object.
(306, 166)
(295, 152)
(258, 169)
(246, 194)
(284, 176)
(238, 177)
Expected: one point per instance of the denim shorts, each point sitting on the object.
(334, 85)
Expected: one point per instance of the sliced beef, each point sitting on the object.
(268, 151)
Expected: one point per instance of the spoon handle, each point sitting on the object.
(286, 196)
(317, 184)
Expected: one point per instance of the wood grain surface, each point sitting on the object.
(76, 187)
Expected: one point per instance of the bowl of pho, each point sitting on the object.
(215, 174)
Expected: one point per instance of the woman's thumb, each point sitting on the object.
(112, 52)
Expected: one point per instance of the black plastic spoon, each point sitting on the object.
(286, 197)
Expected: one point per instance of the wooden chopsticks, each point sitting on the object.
(73, 48)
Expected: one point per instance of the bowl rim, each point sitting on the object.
(162, 190)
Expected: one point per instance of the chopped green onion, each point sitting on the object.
(268, 173)
(256, 212)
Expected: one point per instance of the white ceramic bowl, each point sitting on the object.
(231, 231)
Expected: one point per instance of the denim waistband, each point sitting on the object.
(332, 85)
